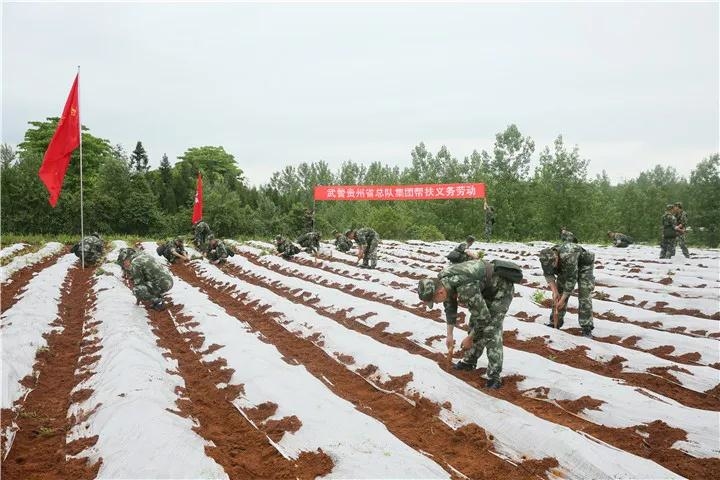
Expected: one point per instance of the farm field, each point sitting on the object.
(314, 367)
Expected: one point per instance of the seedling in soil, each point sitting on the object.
(46, 432)
(264, 252)
(601, 295)
(551, 358)
(538, 296)
(28, 414)
(42, 350)
(670, 273)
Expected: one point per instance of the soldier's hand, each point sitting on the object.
(450, 342)
(466, 343)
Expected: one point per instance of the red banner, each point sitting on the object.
(435, 191)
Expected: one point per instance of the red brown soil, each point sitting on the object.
(665, 281)
(626, 439)
(242, 450)
(346, 359)
(583, 403)
(663, 308)
(40, 448)
(409, 424)
(17, 283)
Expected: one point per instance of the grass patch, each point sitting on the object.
(46, 432)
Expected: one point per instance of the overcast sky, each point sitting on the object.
(632, 85)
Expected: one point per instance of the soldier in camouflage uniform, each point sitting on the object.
(310, 241)
(669, 232)
(149, 280)
(309, 219)
(620, 240)
(567, 236)
(201, 233)
(218, 252)
(460, 253)
(174, 249)
(681, 217)
(489, 220)
(285, 247)
(367, 240)
(91, 247)
(342, 243)
(487, 288)
(565, 265)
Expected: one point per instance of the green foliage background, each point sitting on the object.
(534, 193)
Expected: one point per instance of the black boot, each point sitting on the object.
(493, 382)
(158, 305)
(461, 365)
(587, 332)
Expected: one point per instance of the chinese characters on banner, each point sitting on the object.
(444, 191)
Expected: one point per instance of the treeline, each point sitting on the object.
(123, 196)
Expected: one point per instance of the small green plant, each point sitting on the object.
(46, 432)
(600, 295)
(265, 252)
(538, 296)
(28, 414)
(551, 358)
(42, 349)
(670, 273)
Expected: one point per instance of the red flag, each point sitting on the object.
(197, 208)
(64, 141)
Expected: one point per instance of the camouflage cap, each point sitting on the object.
(125, 254)
(547, 260)
(426, 290)
(179, 240)
(669, 206)
(678, 204)
(470, 238)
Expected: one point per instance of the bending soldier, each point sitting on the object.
(218, 252)
(285, 247)
(310, 241)
(487, 288)
(342, 243)
(91, 247)
(201, 233)
(564, 266)
(173, 249)
(148, 279)
(367, 240)
(620, 240)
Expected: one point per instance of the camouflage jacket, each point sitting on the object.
(171, 248)
(146, 270)
(286, 246)
(343, 243)
(668, 225)
(459, 254)
(619, 238)
(572, 257)
(309, 239)
(91, 245)
(202, 228)
(682, 218)
(364, 236)
(218, 252)
(471, 283)
(489, 216)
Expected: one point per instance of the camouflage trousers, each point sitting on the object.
(488, 330)
(370, 254)
(586, 285)
(200, 241)
(152, 291)
(683, 247)
(667, 247)
(488, 231)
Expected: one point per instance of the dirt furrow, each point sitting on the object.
(656, 447)
(241, 449)
(467, 449)
(16, 284)
(662, 382)
(40, 447)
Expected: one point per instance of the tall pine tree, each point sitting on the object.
(139, 159)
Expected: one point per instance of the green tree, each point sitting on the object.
(703, 211)
(139, 159)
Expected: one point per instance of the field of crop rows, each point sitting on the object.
(311, 367)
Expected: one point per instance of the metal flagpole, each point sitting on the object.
(82, 224)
